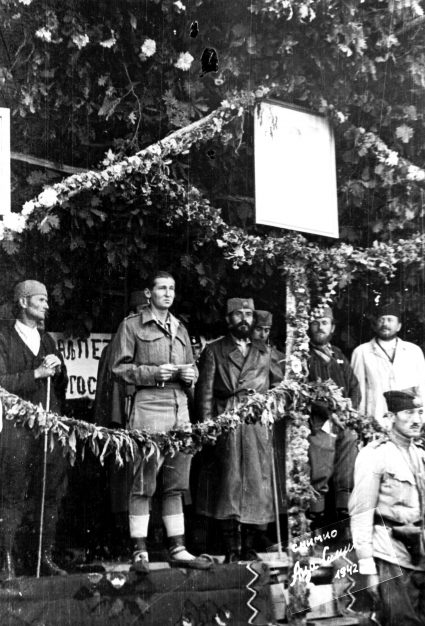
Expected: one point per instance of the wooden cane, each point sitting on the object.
(43, 492)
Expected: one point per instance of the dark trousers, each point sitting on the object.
(332, 456)
(402, 597)
(21, 480)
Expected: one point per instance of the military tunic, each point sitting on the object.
(389, 488)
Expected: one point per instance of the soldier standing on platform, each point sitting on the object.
(387, 514)
(236, 486)
(152, 351)
(28, 358)
(333, 449)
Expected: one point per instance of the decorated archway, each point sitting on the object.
(310, 270)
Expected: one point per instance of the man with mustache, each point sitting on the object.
(387, 514)
(387, 362)
(333, 449)
(235, 487)
(28, 358)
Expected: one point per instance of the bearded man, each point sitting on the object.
(387, 362)
(236, 484)
(333, 449)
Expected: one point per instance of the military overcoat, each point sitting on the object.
(236, 482)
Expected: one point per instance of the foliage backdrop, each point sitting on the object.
(90, 83)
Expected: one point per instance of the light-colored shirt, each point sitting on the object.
(30, 336)
(385, 484)
(376, 374)
(242, 344)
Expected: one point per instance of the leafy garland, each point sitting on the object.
(288, 400)
(334, 266)
(291, 400)
(149, 161)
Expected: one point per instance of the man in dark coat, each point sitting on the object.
(263, 322)
(238, 481)
(28, 358)
(333, 450)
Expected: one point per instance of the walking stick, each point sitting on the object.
(43, 492)
(276, 504)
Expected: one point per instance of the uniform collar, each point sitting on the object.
(400, 440)
(171, 323)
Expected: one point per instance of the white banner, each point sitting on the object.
(4, 161)
(295, 176)
(81, 358)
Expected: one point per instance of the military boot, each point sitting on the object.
(232, 540)
(249, 536)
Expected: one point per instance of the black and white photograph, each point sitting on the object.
(212, 312)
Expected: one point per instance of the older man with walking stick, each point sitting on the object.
(32, 368)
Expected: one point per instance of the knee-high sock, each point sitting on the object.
(139, 516)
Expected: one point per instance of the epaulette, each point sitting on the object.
(129, 317)
(135, 314)
(382, 438)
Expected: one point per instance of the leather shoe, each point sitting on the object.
(140, 563)
(250, 555)
(233, 556)
(198, 562)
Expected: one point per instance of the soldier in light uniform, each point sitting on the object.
(387, 514)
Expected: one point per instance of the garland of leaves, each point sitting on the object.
(331, 267)
(151, 160)
(289, 400)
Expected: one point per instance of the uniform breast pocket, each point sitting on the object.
(152, 350)
(399, 488)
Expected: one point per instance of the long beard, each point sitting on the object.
(241, 331)
(320, 340)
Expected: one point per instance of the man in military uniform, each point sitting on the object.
(387, 514)
(333, 450)
(236, 487)
(152, 351)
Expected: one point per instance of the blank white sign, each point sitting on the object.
(295, 177)
(4, 161)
